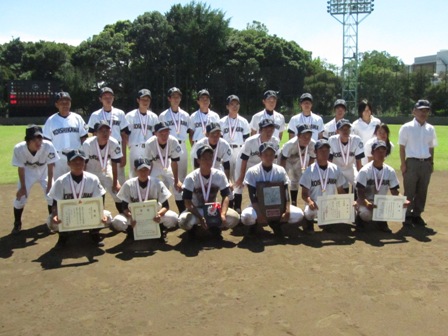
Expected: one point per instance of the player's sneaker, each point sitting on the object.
(17, 228)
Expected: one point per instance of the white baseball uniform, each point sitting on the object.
(222, 152)
(277, 118)
(199, 122)
(330, 129)
(314, 121)
(365, 131)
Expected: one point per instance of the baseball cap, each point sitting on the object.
(304, 129)
(342, 123)
(203, 149)
(203, 92)
(265, 123)
(143, 93)
(100, 124)
(75, 153)
(213, 126)
(267, 145)
(174, 90)
(62, 95)
(231, 98)
(142, 163)
(33, 131)
(422, 104)
(106, 90)
(340, 102)
(306, 96)
(160, 126)
(321, 143)
(270, 93)
(378, 144)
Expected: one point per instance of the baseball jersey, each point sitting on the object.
(258, 174)
(172, 146)
(330, 129)
(251, 149)
(363, 130)
(192, 183)
(157, 191)
(222, 150)
(90, 148)
(141, 126)
(332, 176)
(65, 133)
(234, 129)
(368, 146)
(314, 121)
(354, 148)
(385, 177)
(117, 124)
(417, 139)
(292, 150)
(38, 162)
(62, 189)
(178, 122)
(277, 118)
(199, 121)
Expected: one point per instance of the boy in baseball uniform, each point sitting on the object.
(306, 117)
(201, 118)
(269, 102)
(340, 107)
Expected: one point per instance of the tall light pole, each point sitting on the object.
(353, 12)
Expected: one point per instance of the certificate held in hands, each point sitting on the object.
(143, 213)
(389, 208)
(271, 199)
(335, 209)
(80, 214)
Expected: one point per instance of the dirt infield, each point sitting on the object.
(327, 284)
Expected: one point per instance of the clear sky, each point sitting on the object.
(405, 29)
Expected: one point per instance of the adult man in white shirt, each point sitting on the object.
(269, 102)
(306, 117)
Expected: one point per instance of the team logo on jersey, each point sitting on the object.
(178, 149)
(229, 152)
(361, 145)
(51, 156)
(117, 150)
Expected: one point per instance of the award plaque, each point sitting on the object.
(80, 214)
(212, 214)
(271, 200)
(143, 213)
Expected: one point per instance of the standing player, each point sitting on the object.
(306, 117)
(66, 130)
(178, 120)
(340, 107)
(103, 154)
(34, 159)
(201, 118)
(117, 122)
(269, 102)
(141, 126)
(296, 155)
(321, 178)
(417, 140)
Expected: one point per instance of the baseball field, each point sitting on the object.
(342, 283)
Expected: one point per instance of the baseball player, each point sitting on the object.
(201, 118)
(340, 107)
(269, 102)
(163, 151)
(306, 117)
(141, 126)
(250, 155)
(178, 120)
(347, 150)
(103, 154)
(35, 159)
(140, 189)
(75, 184)
(66, 130)
(296, 155)
(267, 171)
(321, 178)
(375, 178)
(117, 122)
(200, 187)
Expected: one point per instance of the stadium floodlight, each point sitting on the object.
(352, 13)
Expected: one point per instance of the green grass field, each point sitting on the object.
(11, 135)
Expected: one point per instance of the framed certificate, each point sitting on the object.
(143, 213)
(271, 199)
(335, 209)
(80, 214)
(389, 208)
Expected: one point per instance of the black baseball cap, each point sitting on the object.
(101, 123)
(341, 123)
(304, 128)
(340, 102)
(306, 96)
(63, 95)
(267, 145)
(106, 90)
(231, 98)
(203, 149)
(321, 143)
(422, 104)
(270, 93)
(174, 90)
(33, 131)
(75, 153)
(143, 93)
(160, 126)
(213, 126)
(266, 123)
(203, 92)
(378, 144)
(141, 163)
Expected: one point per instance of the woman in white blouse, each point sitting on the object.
(382, 132)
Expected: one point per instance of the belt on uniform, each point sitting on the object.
(236, 146)
(421, 160)
(140, 145)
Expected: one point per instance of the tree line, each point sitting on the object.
(192, 47)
